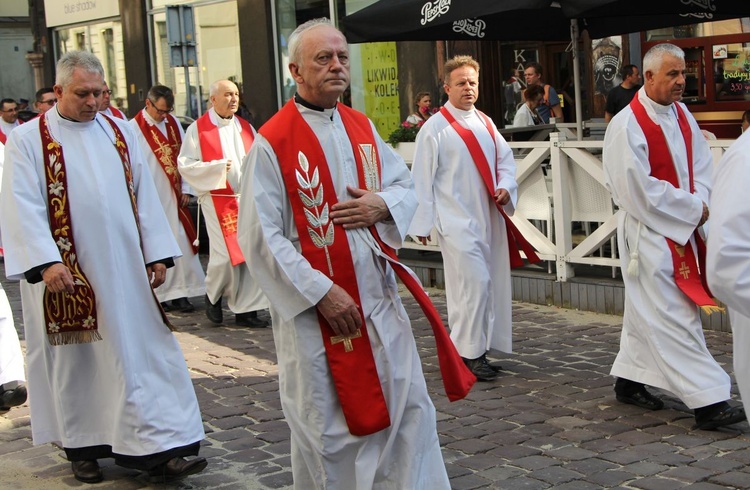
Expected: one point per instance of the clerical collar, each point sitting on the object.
(307, 104)
(66, 117)
(222, 117)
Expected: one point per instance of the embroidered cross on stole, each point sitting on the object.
(688, 273)
(311, 192)
(225, 200)
(166, 148)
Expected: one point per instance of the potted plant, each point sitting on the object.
(402, 139)
(405, 133)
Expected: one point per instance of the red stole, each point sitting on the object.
(325, 245)
(225, 201)
(166, 149)
(72, 318)
(117, 112)
(515, 239)
(687, 274)
(4, 137)
(68, 318)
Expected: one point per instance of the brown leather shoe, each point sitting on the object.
(177, 468)
(87, 471)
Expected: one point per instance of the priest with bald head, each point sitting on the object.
(210, 162)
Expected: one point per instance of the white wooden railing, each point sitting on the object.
(561, 184)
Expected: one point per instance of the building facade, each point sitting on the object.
(246, 41)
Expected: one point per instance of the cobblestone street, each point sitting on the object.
(549, 421)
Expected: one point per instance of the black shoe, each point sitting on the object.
(177, 468)
(480, 368)
(213, 311)
(250, 320)
(87, 471)
(183, 305)
(494, 368)
(165, 306)
(13, 398)
(635, 393)
(718, 415)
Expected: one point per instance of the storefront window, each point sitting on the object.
(695, 76)
(217, 48)
(103, 39)
(732, 71)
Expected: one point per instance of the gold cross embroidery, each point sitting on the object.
(229, 222)
(684, 270)
(347, 340)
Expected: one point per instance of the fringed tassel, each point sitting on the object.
(197, 240)
(77, 337)
(708, 309)
(633, 265)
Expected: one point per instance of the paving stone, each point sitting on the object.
(609, 479)
(656, 483)
(570, 453)
(535, 462)
(469, 482)
(549, 421)
(705, 486)
(734, 479)
(718, 464)
(645, 468)
(555, 475)
(689, 474)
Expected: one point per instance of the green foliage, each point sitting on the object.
(405, 133)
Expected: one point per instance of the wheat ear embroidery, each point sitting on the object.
(311, 193)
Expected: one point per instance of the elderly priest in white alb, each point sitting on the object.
(319, 188)
(84, 231)
(657, 166)
(211, 162)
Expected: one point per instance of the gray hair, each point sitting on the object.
(655, 56)
(213, 89)
(296, 37)
(76, 59)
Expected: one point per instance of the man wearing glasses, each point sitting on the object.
(160, 137)
(8, 118)
(108, 109)
(45, 100)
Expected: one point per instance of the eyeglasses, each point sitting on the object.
(15, 109)
(48, 102)
(108, 92)
(161, 112)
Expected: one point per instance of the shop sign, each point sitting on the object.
(64, 12)
(380, 85)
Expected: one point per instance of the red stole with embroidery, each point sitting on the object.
(687, 271)
(225, 201)
(72, 318)
(515, 239)
(166, 149)
(311, 192)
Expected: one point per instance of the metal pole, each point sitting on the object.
(189, 98)
(577, 78)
